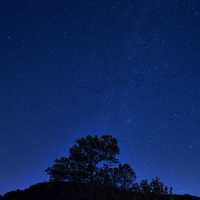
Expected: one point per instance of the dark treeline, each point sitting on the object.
(92, 171)
(94, 160)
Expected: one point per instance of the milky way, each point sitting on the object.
(128, 68)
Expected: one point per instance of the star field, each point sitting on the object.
(128, 68)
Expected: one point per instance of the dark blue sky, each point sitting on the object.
(130, 68)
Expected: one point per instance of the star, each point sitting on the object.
(9, 37)
(190, 147)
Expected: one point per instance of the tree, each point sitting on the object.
(145, 187)
(158, 187)
(135, 187)
(67, 169)
(155, 186)
(92, 151)
(170, 190)
(59, 170)
(125, 176)
(93, 159)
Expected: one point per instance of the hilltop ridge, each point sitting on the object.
(77, 191)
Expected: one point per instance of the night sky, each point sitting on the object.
(130, 68)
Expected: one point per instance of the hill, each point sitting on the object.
(72, 191)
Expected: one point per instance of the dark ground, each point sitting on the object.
(71, 191)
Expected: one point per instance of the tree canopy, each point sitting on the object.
(154, 186)
(94, 160)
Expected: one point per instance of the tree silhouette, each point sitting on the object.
(145, 187)
(122, 176)
(135, 188)
(155, 186)
(67, 169)
(158, 187)
(93, 159)
(125, 176)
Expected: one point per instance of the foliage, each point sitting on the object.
(125, 176)
(94, 160)
(145, 187)
(158, 187)
(154, 186)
